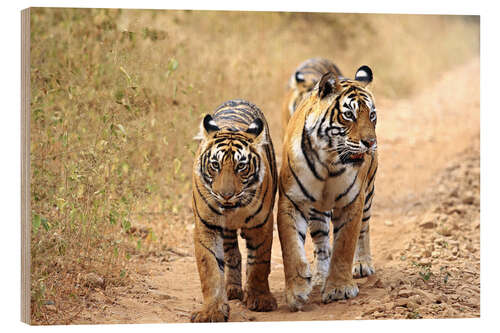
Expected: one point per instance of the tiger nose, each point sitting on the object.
(227, 195)
(368, 142)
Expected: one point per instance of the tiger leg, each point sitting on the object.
(363, 265)
(232, 260)
(259, 241)
(347, 223)
(319, 229)
(210, 262)
(292, 228)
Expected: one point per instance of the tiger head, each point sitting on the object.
(344, 127)
(229, 162)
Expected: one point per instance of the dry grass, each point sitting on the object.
(117, 96)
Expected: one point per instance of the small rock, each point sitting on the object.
(469, 198)
(93, 280)
(388, 223)
(379, 284)
(428, 225)
(459, 209)
(416, 299)
(405, 292)
(454, 192)
(161, 296)
(425, 295)
(389, 256)
(51, 308)
(411, 305)
(425, 261)
(443, 218)
(429, 221)
(444, 231)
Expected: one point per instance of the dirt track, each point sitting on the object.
(425, 227)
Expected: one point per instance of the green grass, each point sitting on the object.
(117, 95)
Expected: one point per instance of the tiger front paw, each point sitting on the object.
(297, 292)
(260, 303)
(234, 291)
(333, 292)
(362, 268)
(211, 314)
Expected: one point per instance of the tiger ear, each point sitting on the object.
(364, 75)
(299, 77)
(255, 128)
(328, 84)
(207, 127)
(209, 124)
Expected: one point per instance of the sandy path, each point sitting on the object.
(418, 138)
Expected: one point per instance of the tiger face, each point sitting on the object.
(231, 167)
(347, 129)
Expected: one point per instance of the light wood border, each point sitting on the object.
(25, 169)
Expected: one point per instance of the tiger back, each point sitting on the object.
(327, 176)
(302, 82)
(234, 187)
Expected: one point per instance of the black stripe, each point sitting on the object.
(353, 199)
(336, 173)
(337, 229)
(372, 177)
(272, 164)
(252, 247)
(207, 224)
(294, 205)
(302, 188)
(367, 208)
(256, 159)
(348, 188)
(206, 201)
(220, 262)
(251, 263)
(370, 194)
(302, 236)
(305, 152)
(314, 152)
(232, 234)
(258, 209)
(317, 218)
(366, 218)
(230, 246)
(317, 232)
(263, 222)
(251, 256)
(327, 214)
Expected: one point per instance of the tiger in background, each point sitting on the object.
(327, 174)
(301, 82)
(234, 187)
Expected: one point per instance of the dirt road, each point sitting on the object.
(425, 227)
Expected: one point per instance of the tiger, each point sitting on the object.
(234, 187)
(301, 82)
(328, 169)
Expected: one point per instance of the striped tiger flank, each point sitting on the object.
(302, 82)
(234, 188)
(327, 175)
